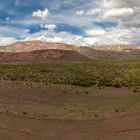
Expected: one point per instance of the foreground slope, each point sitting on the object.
(52, 112)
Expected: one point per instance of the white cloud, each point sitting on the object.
(91, 12)
(50, 27)
(41, 14)
(13, 31)
(129, 24)
(45, 39)
(89, 41)
(119, 36)
(94, 32)
(80, 13)
(125, 13)
(123, 3)
(27, 30)
(118, 13)
(62, 37)
(7, 40)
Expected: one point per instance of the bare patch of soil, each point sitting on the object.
(60, 112)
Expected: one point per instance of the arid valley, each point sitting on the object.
(59, 94)
(69, 69)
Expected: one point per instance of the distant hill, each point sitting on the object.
(94, 52)
(101, 54)
(28, 46)
(116, 48)
(41, 56)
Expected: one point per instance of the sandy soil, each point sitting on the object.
(24, 114)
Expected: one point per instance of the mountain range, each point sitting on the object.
(30, 51)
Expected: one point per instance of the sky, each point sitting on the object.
(78, 22)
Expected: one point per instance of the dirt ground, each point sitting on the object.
(58, 112)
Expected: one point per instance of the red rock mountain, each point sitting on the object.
(41, 56)
(30, 51)
(27, 46)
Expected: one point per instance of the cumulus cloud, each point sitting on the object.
(41, 14)
(127, 14)
(45, 39)
(89, 41)
(80, 12)
(118, 36)
(61, 37)
(122, 3)
(79, 22)
(118, 13)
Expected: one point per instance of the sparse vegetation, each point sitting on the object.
(100, 73)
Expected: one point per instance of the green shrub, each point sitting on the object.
(85, 82)
(105, 82)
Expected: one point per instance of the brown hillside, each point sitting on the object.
(41, 56)
(27, 46)
(94, 52)
(100, 54)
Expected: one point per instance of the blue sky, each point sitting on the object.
(79, 22)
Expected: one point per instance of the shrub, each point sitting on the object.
(24, 113)
(85, 82)
(105, 82)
